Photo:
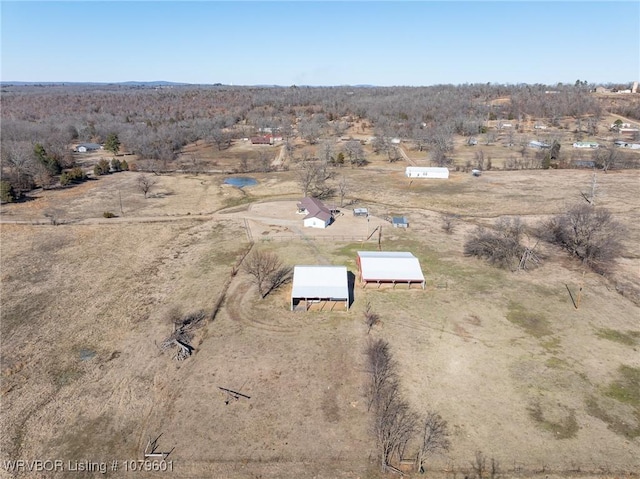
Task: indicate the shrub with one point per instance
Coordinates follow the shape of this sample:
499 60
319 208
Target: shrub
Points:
500 246
116 164
108 214
102 168
7 194
75 175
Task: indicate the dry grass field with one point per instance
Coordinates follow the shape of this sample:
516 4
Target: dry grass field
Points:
505 358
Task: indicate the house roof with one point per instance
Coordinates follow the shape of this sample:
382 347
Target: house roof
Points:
324 282
315 209
89 146
399 220
389 266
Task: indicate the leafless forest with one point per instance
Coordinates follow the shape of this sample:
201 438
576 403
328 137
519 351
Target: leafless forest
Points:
154 123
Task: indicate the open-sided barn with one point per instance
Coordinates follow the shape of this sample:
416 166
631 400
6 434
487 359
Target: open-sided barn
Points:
389 267
313 284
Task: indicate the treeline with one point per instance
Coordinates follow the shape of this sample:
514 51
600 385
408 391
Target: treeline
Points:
396 427
156 123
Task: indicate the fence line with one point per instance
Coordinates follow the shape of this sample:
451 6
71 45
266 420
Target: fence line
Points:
266 239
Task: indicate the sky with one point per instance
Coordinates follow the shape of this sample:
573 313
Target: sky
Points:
327 43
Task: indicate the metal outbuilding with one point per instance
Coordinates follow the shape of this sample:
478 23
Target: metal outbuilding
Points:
314 284
389 267
427 172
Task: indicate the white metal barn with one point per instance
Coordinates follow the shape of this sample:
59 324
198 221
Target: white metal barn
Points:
389 267
316 284
427 172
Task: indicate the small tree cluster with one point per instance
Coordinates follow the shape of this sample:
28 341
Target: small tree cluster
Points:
74 175
119 165
588 233
102 168
500 246
267 271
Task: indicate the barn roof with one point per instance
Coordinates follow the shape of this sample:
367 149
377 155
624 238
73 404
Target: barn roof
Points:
323 282
397 266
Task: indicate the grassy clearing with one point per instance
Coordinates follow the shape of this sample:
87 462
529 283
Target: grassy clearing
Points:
536 324
626 388
564 428
616 423
630 338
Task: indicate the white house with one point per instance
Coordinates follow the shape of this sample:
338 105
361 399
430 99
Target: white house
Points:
84 147
427 172
317 214
316 284
538 144
585 144
389 267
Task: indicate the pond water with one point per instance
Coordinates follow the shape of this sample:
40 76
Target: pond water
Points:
241 181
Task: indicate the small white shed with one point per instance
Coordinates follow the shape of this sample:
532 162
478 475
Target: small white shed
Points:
427 172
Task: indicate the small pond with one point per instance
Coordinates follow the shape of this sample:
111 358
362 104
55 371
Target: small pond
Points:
241 181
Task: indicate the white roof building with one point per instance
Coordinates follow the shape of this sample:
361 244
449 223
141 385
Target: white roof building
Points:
319 283
389 267
427 172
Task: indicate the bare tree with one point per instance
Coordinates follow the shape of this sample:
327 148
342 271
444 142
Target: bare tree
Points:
479 465
381 368
313 176
145 184
588 233
354 151
500 246
606 158
449 223
394 424
370 318
343 189
267 271
435 438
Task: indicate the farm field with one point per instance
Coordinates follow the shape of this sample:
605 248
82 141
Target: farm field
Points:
544 388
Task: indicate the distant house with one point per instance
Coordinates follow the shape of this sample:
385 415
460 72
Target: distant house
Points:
584 164
540 126
538 144
84 147
585 144
427 172
624 144
262 140
472 142
360 212
317 214
400 222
